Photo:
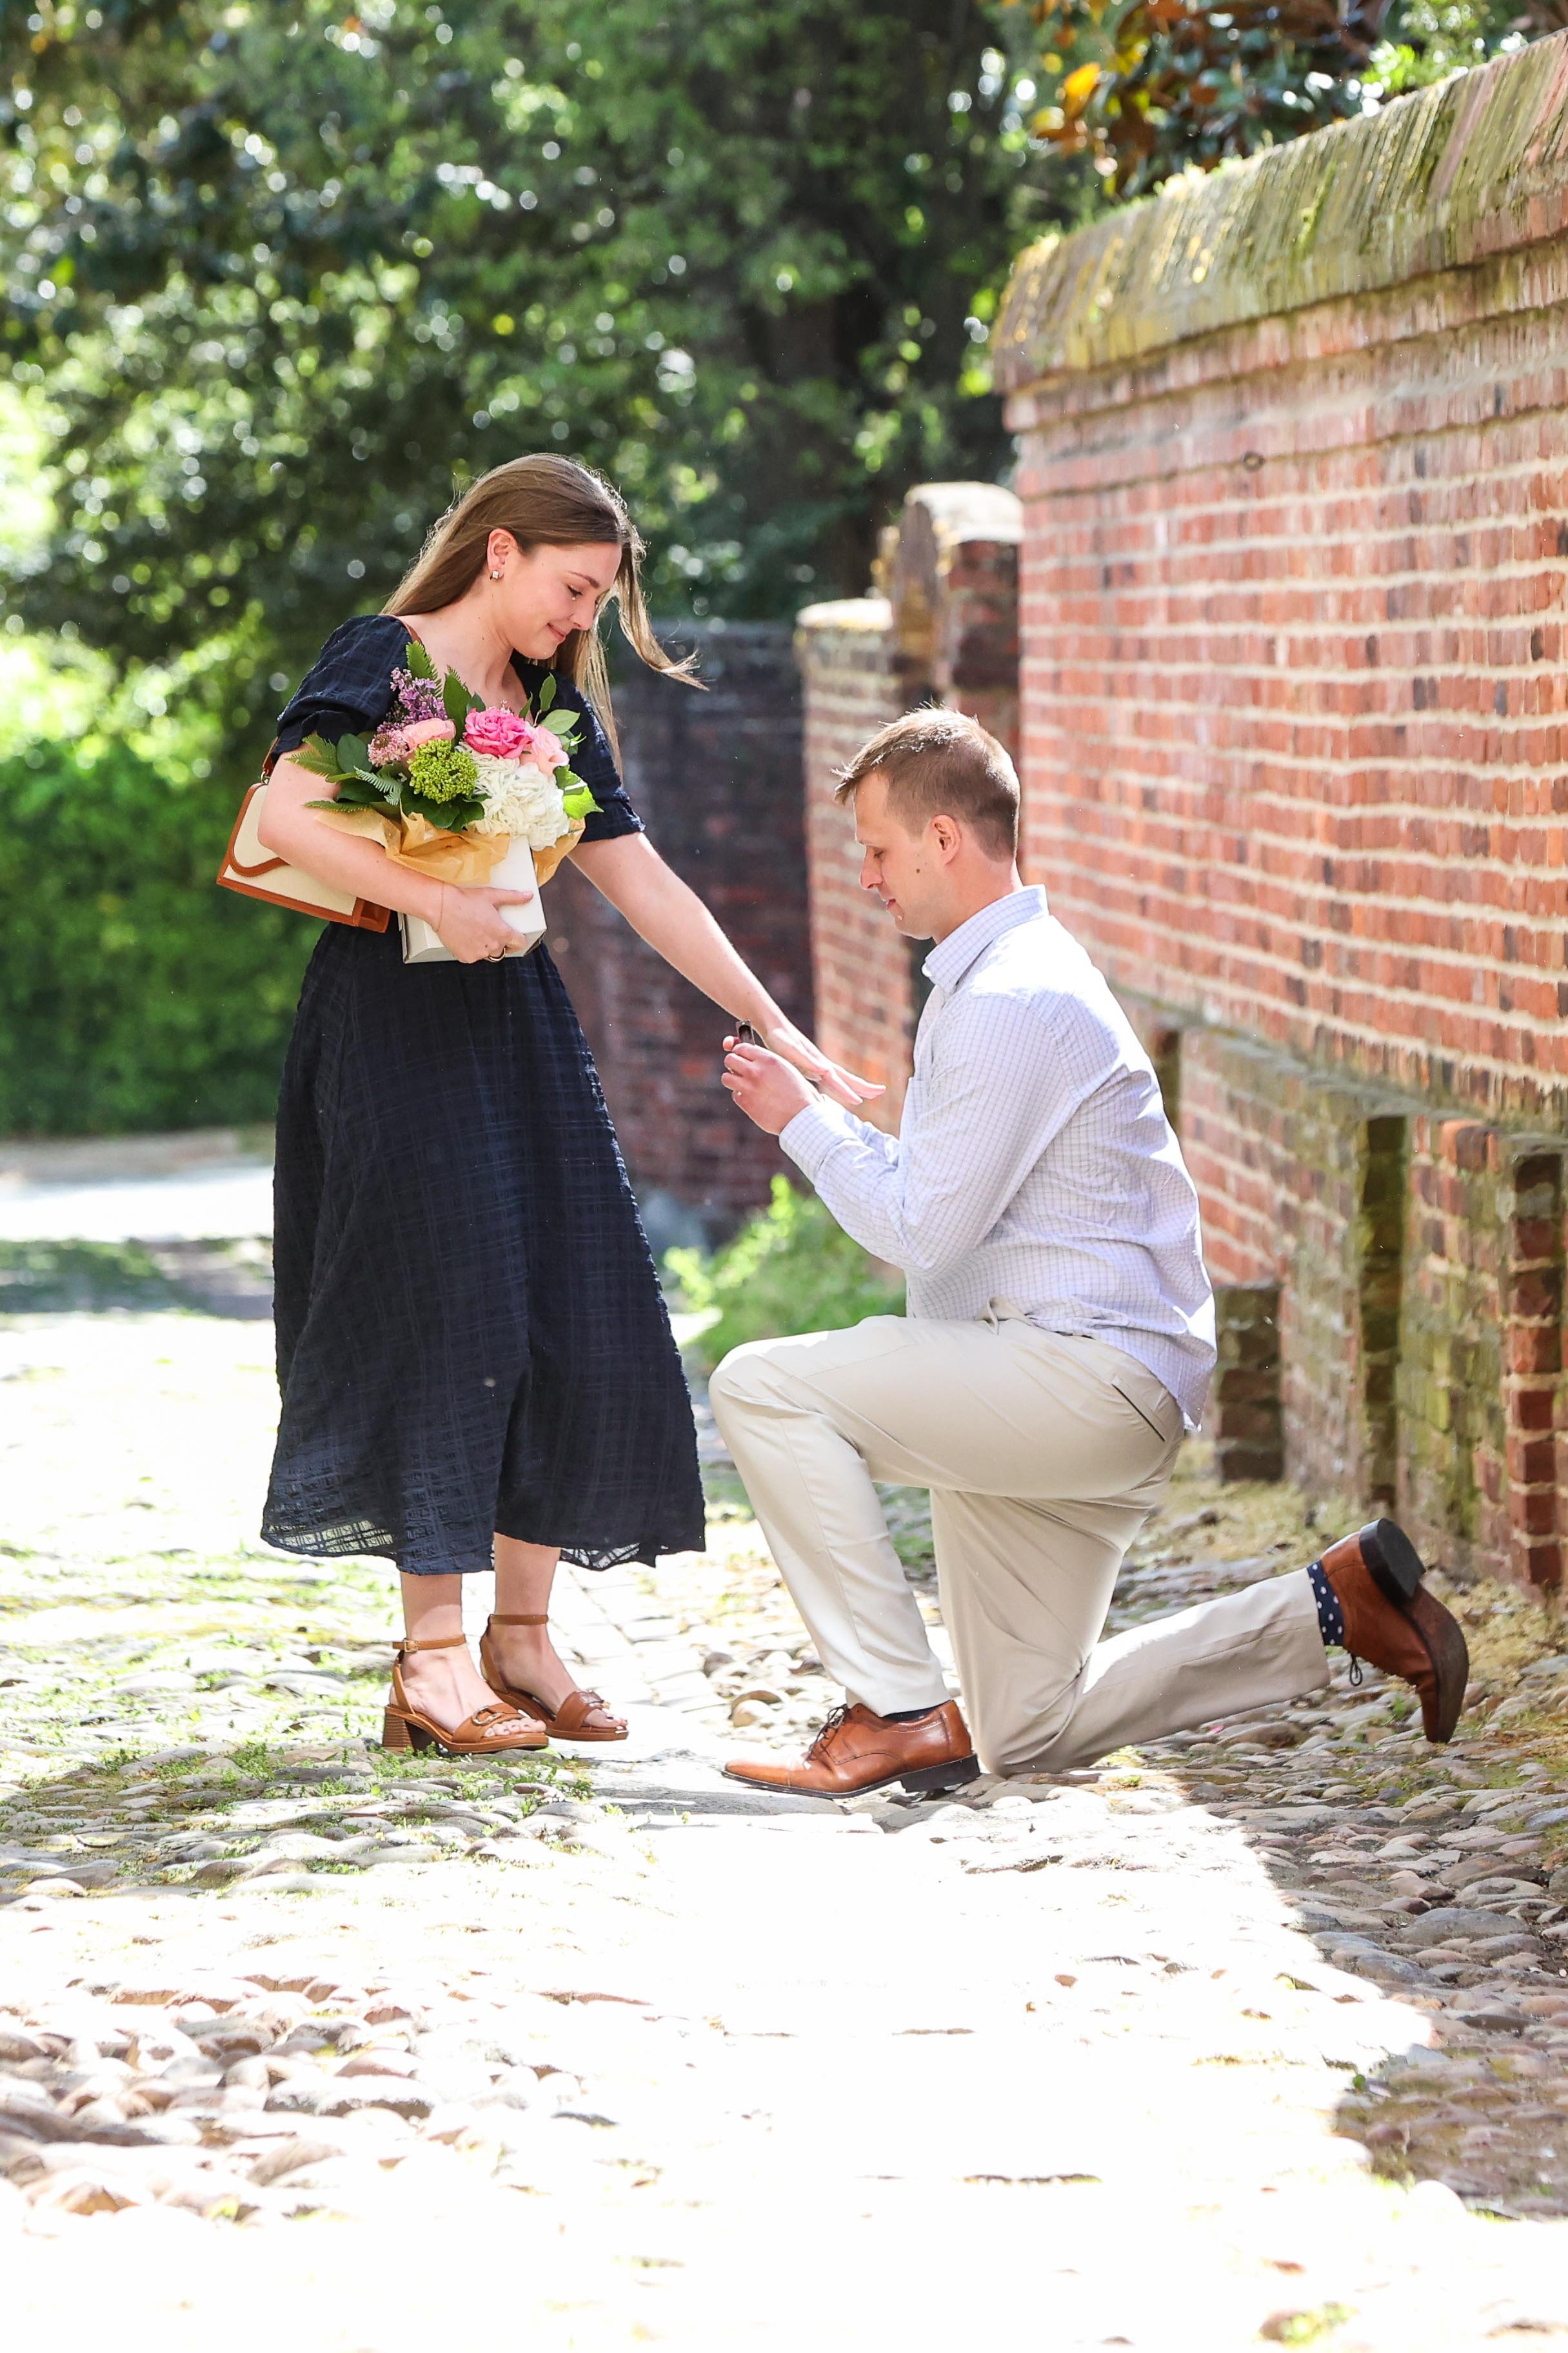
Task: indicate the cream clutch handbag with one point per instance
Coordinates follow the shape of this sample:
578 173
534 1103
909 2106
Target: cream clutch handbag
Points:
249 867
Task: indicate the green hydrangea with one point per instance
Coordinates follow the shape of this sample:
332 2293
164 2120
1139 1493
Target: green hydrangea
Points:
444 771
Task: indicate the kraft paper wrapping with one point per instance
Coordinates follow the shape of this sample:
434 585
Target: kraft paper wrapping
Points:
466 858
545 861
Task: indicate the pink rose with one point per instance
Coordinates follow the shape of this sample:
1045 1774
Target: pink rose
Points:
428 730
499 734
548 751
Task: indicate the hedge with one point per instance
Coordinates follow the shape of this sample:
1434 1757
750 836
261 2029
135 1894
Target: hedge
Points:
790 1269
133 993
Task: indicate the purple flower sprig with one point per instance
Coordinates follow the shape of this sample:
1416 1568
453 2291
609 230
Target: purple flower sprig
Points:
417 698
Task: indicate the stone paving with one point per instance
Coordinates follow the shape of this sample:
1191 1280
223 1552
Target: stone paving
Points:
1258 2037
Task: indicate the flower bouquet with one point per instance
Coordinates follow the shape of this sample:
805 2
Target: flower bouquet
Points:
459 789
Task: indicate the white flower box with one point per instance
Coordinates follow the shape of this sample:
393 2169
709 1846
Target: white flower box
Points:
422 943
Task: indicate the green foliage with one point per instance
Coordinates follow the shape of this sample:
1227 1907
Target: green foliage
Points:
288 275
1426 41
133 994
39 1278
790 1270
1145 89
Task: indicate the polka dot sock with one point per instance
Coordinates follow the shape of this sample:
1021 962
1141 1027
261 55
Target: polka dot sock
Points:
1330 1616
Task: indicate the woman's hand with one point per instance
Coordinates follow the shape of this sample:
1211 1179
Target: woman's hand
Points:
671 918
470 923
791 1045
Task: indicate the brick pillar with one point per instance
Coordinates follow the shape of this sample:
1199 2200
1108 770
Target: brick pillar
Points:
1379 1262
1533 1359
862 978
952 578
1244 1416
716 778
946 630
1481 1350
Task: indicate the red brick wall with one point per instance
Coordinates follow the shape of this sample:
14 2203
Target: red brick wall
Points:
861 969
1293 455
1294 745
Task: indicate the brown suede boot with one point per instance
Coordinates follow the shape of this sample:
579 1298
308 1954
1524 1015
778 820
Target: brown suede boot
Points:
856 1750
1394 1624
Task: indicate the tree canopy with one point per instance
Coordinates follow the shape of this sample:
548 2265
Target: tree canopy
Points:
1149 88
290 275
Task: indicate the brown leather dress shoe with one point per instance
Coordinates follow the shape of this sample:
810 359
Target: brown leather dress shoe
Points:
856 1751
1396 1625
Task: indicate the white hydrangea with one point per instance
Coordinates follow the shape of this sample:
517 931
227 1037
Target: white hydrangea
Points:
521 800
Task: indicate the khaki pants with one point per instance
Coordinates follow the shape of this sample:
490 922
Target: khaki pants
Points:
1044 1455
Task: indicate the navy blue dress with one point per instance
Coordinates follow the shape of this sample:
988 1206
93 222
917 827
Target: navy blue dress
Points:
470 1331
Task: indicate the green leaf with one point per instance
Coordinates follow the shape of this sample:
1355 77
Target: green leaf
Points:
317 755
364 792
580 802
447 817
546 696
418 664
459 702
353 754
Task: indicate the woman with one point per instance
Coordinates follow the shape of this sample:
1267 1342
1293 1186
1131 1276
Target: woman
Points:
474 1354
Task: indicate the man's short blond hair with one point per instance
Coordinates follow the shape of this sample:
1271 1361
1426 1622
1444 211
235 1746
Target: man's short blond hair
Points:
942 763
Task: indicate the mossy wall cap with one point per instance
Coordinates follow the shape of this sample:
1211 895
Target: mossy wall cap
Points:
1470 168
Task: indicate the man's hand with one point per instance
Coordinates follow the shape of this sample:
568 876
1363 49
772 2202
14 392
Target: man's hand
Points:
766 1089
838 1084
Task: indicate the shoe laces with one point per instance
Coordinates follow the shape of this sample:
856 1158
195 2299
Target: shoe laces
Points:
827 1731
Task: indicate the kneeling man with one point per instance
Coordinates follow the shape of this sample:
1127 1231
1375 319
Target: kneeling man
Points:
1058 1344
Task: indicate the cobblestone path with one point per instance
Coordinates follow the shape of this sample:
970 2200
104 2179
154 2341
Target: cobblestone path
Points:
1261 2037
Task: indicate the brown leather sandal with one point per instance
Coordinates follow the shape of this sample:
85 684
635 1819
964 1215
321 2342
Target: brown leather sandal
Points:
498 1731
573 1720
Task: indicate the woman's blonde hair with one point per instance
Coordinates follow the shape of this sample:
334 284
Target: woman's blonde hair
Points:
545 502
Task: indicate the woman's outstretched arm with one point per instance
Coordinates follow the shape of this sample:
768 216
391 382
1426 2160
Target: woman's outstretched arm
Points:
671 918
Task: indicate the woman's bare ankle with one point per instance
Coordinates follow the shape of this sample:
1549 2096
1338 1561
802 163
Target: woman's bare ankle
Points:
531 1662
446 1685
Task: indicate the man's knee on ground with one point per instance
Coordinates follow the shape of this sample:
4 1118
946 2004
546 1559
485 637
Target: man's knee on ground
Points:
743 1378
1015 1734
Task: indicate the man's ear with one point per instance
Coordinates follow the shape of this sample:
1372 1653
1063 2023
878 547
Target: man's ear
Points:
947 835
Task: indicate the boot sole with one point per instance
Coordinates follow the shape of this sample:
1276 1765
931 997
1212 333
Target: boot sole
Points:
1445 1645
925 1783
1397 1568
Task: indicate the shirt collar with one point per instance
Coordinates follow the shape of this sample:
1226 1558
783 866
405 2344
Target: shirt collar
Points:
946 965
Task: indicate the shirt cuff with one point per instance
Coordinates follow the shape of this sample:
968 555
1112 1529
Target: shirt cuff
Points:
814 1134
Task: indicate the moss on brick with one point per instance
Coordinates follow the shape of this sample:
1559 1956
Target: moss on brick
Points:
1475 166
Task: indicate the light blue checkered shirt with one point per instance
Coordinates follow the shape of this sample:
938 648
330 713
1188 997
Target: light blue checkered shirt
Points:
1033 1163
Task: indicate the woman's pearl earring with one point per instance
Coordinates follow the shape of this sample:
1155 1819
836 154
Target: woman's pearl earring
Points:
495 576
